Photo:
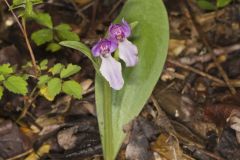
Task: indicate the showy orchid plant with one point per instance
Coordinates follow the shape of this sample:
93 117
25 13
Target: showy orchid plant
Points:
121 92
110 68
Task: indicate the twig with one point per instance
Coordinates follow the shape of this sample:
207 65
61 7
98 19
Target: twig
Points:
219 81
79 11
86 6
233 82
21 155
24 32
229 49
216 81
29 47
208 57
29 103
204 39
114 8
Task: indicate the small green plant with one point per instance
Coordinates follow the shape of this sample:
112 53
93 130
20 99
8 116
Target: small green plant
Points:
25 6
49 33
11 81
209 5
52 34
51 81
57 80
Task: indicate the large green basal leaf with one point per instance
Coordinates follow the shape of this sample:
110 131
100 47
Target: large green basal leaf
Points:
151 36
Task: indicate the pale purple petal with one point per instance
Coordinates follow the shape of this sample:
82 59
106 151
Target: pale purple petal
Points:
112 72
119 31
114 45
115 31
96 50
128 52
104 46
126 27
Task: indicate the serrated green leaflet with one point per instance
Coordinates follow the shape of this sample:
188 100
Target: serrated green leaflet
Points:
72 88
16 85
43 64
63 26
65 35
42 36
6 69
42 80
2 77
28 9
53 47
223 3
69 70
1 92
43 19
151 36
56 69
54 87
22 3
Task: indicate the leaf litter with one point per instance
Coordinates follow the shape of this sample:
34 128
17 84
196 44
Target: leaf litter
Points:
193 112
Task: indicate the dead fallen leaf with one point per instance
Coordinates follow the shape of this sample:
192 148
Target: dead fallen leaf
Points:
168 147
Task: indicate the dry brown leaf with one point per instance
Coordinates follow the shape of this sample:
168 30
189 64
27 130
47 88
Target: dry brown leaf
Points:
168 147
176 47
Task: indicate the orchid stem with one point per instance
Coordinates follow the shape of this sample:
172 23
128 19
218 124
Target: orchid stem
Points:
108 132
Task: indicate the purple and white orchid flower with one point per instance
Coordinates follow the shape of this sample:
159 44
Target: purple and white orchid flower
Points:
127 50
110 68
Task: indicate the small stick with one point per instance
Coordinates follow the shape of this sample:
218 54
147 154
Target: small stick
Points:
114 8
207 57
176 63
229 49
21 155
79 12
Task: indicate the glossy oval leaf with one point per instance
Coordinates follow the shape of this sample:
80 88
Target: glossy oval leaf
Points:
151 36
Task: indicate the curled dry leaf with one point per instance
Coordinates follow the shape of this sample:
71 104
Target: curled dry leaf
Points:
234 122
176 47
86 84
168 146
66 138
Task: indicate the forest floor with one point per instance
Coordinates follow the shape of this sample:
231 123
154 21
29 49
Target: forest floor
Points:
193 112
